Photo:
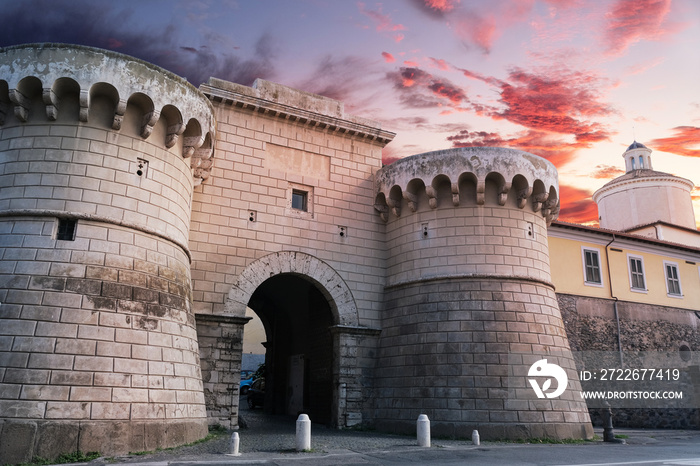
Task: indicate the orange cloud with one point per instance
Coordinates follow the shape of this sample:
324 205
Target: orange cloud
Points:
606 172
577 206
556 150
389 58
681 143
695 194
630 21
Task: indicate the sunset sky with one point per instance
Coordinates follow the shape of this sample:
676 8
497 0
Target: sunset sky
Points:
574 81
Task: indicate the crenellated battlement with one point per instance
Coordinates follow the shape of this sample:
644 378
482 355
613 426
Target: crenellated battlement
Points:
468 176
59 83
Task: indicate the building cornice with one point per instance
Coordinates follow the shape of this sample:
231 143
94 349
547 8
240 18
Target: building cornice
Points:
654 181
560 230
295 114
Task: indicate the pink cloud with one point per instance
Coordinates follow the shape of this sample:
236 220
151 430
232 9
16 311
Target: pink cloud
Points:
441 5
410 63
389 58
420 89
630 21
475 29
440 64
383 22
558 101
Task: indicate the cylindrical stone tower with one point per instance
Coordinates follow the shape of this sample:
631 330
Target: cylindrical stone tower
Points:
99 155
469 303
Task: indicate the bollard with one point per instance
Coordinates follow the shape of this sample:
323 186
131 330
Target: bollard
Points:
303 433
608 434
475 437
423 430
233 445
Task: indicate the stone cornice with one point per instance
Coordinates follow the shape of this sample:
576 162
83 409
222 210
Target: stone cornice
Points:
470 276
223 319
654 181
295 114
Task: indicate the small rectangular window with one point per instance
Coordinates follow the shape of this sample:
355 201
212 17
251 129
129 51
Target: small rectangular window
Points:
299 200
637 274
591 258
673 281
66 229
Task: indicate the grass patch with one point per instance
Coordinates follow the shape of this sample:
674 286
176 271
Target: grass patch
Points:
551 441
622 436
75 457
215 432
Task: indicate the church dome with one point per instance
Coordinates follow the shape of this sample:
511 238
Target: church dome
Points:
636 145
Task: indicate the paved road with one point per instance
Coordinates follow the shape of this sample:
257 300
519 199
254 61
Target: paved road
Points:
271 441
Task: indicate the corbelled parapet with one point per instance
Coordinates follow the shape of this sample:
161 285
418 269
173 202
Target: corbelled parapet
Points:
462 176
71 77
469 304
99 156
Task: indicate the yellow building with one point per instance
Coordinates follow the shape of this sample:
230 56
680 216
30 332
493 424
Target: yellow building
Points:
632 286
608 264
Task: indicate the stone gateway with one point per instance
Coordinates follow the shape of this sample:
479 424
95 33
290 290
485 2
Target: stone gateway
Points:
140 217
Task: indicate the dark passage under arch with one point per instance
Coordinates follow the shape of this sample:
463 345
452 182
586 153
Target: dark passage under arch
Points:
299 348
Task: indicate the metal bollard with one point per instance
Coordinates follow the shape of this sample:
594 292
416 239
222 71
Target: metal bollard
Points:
233 445
303 433
475 437
423 430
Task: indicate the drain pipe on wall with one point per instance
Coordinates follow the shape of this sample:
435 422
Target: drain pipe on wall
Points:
612 295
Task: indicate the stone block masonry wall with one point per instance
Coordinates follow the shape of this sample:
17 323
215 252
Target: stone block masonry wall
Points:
261 158
445 352
99 154
220 347
96 337
269 145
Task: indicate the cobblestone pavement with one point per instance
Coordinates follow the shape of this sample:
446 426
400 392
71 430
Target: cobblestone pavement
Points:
267 436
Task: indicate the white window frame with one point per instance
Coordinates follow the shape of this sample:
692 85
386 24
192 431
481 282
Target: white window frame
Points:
596 251
644 275
677 278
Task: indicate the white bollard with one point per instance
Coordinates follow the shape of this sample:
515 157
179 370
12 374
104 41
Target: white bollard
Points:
233 445
303 433
423 430
475 437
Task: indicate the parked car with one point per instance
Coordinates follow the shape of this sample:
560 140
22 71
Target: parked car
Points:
256 393
246 381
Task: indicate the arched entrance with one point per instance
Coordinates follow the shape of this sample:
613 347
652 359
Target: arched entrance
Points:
299 356
307 310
